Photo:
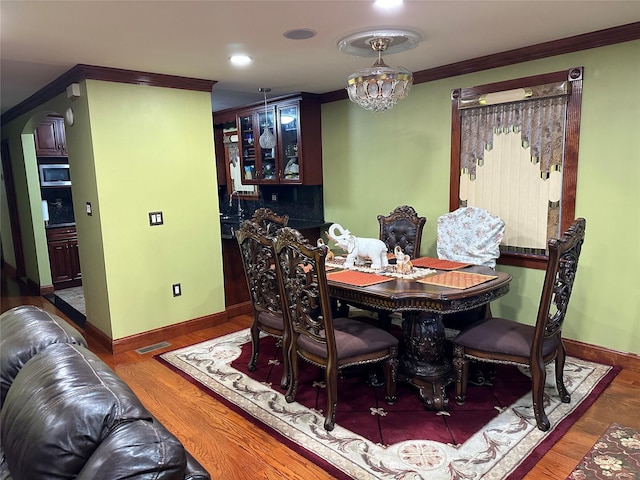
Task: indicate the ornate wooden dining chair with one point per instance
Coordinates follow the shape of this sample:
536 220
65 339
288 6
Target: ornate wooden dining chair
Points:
269 221
500 340
470 235
402 227
317 337
258 258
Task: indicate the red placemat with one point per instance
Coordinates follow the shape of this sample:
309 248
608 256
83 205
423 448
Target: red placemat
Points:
359 279
438 264
459 280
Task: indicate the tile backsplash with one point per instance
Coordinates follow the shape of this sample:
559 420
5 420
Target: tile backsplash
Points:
301 202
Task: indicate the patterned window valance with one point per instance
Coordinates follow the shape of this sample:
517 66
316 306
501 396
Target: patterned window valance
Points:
514 152
540 122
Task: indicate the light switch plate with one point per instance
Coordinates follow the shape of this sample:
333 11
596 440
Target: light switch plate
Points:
155 218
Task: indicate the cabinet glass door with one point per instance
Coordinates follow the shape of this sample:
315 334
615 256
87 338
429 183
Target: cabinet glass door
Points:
288 117
247 147
267 155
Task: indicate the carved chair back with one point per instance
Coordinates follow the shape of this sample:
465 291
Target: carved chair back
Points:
558 285
402 227
314 334
269 221
258 259
305 293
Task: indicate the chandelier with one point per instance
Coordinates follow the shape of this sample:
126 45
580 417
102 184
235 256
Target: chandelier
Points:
379 87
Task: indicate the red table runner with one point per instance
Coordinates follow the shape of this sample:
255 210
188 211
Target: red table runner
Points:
359 279
459 280
437 263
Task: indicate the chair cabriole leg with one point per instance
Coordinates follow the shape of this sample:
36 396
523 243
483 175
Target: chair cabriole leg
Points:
461 368
565 397
255 345
538 378
391 375
331 380
286 354
290 396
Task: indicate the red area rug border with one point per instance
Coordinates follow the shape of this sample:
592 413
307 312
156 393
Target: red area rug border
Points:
558 431
303 452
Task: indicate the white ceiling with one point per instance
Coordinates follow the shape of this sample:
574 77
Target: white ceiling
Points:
40 40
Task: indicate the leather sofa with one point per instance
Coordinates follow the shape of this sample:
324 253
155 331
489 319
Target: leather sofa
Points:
66 414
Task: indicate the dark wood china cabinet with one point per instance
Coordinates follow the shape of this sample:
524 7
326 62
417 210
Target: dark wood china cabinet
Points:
296 158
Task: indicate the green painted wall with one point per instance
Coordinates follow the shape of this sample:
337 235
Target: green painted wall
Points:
153 151
132 150
136 149
20 138
375 162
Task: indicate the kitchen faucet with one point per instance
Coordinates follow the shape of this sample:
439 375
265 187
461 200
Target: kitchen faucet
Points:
237 194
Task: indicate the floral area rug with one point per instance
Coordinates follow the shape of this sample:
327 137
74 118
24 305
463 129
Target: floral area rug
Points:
492 436
616 455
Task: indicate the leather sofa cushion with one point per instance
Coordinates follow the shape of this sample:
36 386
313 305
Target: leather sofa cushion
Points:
66 408
26 330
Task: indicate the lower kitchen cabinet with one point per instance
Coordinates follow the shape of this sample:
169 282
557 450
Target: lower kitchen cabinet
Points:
64 257
236 290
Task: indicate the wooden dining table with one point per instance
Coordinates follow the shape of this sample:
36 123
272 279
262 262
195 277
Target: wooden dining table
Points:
424 362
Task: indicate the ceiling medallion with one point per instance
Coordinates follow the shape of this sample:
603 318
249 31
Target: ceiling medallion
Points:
379 87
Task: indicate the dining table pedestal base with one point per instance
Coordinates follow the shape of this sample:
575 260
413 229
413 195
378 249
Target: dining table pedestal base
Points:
424 363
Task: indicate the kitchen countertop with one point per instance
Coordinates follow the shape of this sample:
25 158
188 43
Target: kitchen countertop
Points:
60 225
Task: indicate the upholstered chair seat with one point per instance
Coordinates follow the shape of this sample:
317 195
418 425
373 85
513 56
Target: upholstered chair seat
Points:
504 336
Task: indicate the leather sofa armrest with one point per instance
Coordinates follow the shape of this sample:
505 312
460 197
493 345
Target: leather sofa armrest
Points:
194 470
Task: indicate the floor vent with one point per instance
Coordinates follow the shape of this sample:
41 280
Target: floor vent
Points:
153 347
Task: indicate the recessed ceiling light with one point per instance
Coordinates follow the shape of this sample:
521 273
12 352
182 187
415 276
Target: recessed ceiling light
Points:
240 60
387 3
300 34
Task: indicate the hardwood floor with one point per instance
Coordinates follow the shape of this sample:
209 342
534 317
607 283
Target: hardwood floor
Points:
230 447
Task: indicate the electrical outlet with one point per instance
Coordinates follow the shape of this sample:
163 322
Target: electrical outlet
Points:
89 212
274 197
177 289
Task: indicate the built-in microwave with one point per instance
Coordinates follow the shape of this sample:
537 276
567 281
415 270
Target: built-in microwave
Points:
55 175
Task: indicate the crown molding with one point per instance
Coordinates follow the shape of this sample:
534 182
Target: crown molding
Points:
91 72
600 38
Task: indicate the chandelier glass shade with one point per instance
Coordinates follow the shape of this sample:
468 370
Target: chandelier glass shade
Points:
379 87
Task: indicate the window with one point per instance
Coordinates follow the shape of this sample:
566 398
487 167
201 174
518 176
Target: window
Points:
514 152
